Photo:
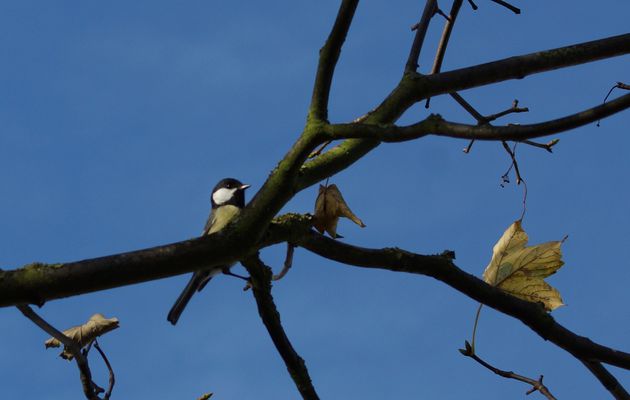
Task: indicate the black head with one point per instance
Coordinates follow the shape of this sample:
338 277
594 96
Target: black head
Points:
228 191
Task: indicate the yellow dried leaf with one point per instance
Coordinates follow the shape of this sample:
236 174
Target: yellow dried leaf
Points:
329 206
84 334
520 270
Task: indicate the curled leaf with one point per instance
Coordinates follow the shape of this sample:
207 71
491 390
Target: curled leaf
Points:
329 206
520 270
84 334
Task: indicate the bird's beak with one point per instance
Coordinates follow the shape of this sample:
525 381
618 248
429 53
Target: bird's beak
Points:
243 187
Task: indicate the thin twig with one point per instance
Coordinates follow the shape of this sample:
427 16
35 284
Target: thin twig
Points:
261 287
547 146
468 107
439 11
469 147
319 150
510 7
618 85
446 35
288 262
513 109
473 5
112 378
512 153
537 384
89 388
421 30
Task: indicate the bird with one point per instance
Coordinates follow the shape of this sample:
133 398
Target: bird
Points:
227 200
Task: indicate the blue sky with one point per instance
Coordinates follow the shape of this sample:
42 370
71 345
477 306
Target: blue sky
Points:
118 118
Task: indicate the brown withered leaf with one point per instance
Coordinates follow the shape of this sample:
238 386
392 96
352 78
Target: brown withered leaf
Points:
84 334
329 207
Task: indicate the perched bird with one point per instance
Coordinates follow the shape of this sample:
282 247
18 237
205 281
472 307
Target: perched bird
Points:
228 198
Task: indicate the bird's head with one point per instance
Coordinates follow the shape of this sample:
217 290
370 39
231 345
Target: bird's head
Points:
229 191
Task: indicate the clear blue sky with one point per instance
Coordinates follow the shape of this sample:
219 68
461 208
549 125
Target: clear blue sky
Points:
117 118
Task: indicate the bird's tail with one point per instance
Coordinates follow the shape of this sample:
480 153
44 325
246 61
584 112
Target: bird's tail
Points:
196 283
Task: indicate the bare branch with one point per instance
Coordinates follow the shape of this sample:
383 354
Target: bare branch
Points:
547 146
537 384
607 380
469 108
261 287
430 7
442 268
328 57
37 283
507 5
512 110
89 388
112 378
435 125
446 36
413 88
288 262
519 67
512 153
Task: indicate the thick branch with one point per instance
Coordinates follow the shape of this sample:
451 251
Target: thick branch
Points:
442 269
328 57
435 125
607 380
261 286
38 283
519 67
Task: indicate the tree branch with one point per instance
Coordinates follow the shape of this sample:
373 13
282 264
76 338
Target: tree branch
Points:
37 283
607 380
519 67
430 7
537 385
328 57
89 389
414 87
441 268
444 39
261 286
435 125
112 377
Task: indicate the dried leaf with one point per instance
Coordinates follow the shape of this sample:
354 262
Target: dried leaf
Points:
84 334
520 270
329 206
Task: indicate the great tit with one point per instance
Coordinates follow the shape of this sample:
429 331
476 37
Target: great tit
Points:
228 198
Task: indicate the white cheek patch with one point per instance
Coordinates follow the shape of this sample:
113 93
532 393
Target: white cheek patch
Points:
223 195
